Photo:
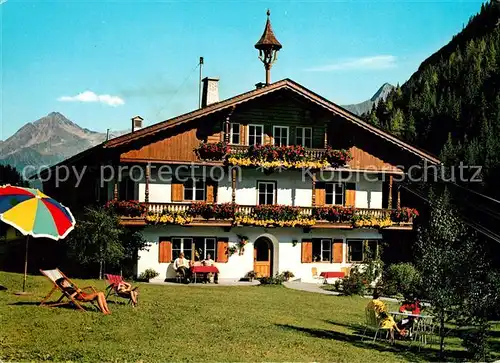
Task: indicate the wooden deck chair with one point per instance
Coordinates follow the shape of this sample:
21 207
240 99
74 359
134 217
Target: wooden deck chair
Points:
53 276
112 288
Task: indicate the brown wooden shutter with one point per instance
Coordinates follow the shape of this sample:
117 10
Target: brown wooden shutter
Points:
177 191
243 134
165 250
338 250
307 248
350 194
211 191
222 250
320 194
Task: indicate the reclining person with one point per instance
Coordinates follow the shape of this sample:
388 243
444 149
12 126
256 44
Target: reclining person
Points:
78 294
124 289
181 266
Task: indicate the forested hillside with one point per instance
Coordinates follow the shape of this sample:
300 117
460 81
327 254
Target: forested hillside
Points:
451 105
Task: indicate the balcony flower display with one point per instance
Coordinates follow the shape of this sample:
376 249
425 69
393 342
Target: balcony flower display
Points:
403 215
210 210
126 208
243 240
168 217
337 158
335 214
371 222
276 157
275 216
212 151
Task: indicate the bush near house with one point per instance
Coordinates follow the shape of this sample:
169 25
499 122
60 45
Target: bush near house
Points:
401 279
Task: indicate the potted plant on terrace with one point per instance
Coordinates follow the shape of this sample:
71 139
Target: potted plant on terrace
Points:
251 275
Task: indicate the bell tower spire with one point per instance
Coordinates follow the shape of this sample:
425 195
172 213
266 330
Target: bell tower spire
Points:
268 47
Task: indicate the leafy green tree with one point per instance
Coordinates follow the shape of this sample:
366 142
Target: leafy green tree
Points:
100 239
456 276
9 175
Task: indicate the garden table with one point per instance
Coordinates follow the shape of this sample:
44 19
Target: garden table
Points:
423 326
332 274
203 270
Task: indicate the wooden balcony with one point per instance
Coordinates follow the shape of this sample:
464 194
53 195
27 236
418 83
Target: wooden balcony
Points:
315 154
248 210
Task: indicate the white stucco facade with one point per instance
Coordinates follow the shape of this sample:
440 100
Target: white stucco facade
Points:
286 249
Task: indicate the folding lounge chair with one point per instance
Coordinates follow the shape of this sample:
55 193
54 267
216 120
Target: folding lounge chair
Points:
112 289
53 276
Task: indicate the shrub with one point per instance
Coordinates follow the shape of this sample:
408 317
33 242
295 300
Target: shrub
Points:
276 280
401 278
148 274
353 284
287 275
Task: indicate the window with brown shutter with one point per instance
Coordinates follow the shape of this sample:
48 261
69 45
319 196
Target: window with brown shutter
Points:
338 251
222 250
306 251
350 194
165 250
320 194
177 191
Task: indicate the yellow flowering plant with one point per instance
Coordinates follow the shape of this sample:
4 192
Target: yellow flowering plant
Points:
167 217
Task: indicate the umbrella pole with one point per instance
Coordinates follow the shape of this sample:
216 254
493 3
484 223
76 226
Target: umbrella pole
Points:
26 264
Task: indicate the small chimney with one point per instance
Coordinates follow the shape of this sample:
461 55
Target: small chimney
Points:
137 123
210 93
260 85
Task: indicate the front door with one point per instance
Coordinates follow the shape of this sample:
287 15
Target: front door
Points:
262 257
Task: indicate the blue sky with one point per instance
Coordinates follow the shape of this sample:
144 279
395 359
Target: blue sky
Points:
139 57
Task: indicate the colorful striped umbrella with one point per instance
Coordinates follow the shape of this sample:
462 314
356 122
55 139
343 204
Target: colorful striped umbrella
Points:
34 214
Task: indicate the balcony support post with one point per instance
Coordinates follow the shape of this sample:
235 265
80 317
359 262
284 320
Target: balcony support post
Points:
227 124
313 197
389 198
148 175
398 202
115 187
233 185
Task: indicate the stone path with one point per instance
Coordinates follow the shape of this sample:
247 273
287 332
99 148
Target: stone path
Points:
222 282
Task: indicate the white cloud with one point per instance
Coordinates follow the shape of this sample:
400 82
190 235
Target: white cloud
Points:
375 62
3 2
89 96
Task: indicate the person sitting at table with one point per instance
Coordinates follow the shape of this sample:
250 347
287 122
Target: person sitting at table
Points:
414 307
386 321
181 266
209 262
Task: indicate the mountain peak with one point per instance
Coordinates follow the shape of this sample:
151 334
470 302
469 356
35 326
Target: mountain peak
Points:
382 92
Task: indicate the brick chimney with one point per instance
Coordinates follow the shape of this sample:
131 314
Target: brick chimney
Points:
210 93
137 123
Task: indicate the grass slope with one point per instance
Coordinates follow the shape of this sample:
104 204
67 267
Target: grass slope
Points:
193 323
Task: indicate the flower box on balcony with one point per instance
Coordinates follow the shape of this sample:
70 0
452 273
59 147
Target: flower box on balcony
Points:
212 151
126 208
337 158
334 214
404 215
212 211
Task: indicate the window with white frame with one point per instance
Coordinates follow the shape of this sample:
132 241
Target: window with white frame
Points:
322 250
280 135
235 133
360 250
204 247
266 192
334 193
184 245
304 136
255 134
194 189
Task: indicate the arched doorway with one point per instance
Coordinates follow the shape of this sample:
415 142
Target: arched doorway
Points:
263 257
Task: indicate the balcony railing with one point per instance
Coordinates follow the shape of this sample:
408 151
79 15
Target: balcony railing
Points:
311 153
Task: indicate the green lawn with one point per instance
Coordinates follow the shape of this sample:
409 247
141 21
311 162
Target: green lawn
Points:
196 323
